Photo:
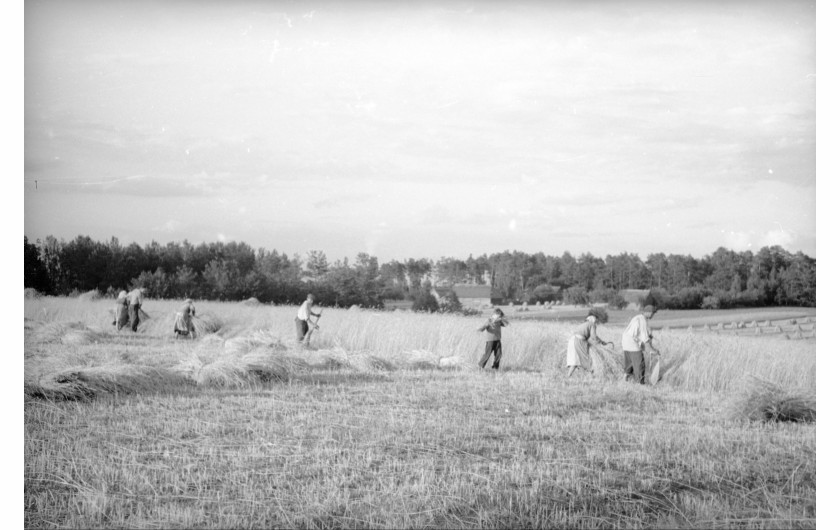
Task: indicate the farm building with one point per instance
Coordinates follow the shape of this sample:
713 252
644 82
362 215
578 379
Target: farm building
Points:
471 295
634 297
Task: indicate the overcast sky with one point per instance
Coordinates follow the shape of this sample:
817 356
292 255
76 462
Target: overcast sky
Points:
424 129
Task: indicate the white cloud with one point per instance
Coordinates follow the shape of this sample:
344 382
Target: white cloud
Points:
779 237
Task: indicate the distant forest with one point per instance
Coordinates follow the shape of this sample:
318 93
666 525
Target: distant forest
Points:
236 271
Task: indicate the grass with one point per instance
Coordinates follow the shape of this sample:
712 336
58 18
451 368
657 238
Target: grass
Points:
387 422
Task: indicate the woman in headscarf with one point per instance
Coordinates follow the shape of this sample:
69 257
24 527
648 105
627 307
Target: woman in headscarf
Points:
183 319
577 353
121 310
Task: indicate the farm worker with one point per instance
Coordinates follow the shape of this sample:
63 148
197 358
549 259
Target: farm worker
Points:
304 314
135 301
493 336
633 340
183 319
577 351
121 311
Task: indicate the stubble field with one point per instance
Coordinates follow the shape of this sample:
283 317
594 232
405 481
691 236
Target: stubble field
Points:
387 422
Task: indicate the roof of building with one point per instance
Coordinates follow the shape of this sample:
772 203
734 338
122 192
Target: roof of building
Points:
633 295
475 291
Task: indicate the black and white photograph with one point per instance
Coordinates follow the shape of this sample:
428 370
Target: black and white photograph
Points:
419 264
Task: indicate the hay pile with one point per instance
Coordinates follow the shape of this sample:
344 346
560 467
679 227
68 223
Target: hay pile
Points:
358 361
31 294
251 302
419 360
90 295
86 383
238 368
258 339
70 333
207 324
455 361
763 400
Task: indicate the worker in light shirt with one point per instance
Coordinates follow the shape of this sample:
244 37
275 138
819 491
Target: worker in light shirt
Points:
636 335
303 318
135 302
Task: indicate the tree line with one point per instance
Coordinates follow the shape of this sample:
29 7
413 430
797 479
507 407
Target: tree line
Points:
236 271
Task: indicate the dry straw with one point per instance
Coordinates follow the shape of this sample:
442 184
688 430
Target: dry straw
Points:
258 339
71 333
90 295
606 364
243 365
764 400
85 383
207 324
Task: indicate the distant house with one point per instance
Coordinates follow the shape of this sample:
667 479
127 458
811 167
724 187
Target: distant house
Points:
471 295
634 297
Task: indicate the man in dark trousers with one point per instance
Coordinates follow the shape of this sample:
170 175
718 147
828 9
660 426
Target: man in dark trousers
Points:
636 336
135 302
302 319
493 335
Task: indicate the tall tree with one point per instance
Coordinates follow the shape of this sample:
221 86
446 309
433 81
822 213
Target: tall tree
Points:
317 265
34 271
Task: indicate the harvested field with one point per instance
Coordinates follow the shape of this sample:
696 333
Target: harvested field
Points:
388 421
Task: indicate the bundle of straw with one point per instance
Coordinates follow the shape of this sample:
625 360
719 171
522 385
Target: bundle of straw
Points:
66 333
31 294
85 383
456 361
606 364
223 372
206 324
419 360
266 365
763 400
258 339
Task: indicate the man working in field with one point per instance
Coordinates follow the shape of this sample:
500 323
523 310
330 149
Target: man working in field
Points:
633 340
493 338
302 320
135 301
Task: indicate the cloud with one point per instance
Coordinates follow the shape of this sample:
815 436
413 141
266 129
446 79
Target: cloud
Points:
781 237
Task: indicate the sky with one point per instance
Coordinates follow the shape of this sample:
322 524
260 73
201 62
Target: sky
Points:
423 129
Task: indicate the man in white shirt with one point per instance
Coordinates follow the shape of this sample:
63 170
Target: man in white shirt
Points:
633 340
302 319
135 301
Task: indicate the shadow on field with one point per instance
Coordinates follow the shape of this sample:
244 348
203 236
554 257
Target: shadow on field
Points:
337 378
520 370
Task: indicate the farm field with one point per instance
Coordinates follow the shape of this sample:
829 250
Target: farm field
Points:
387 422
